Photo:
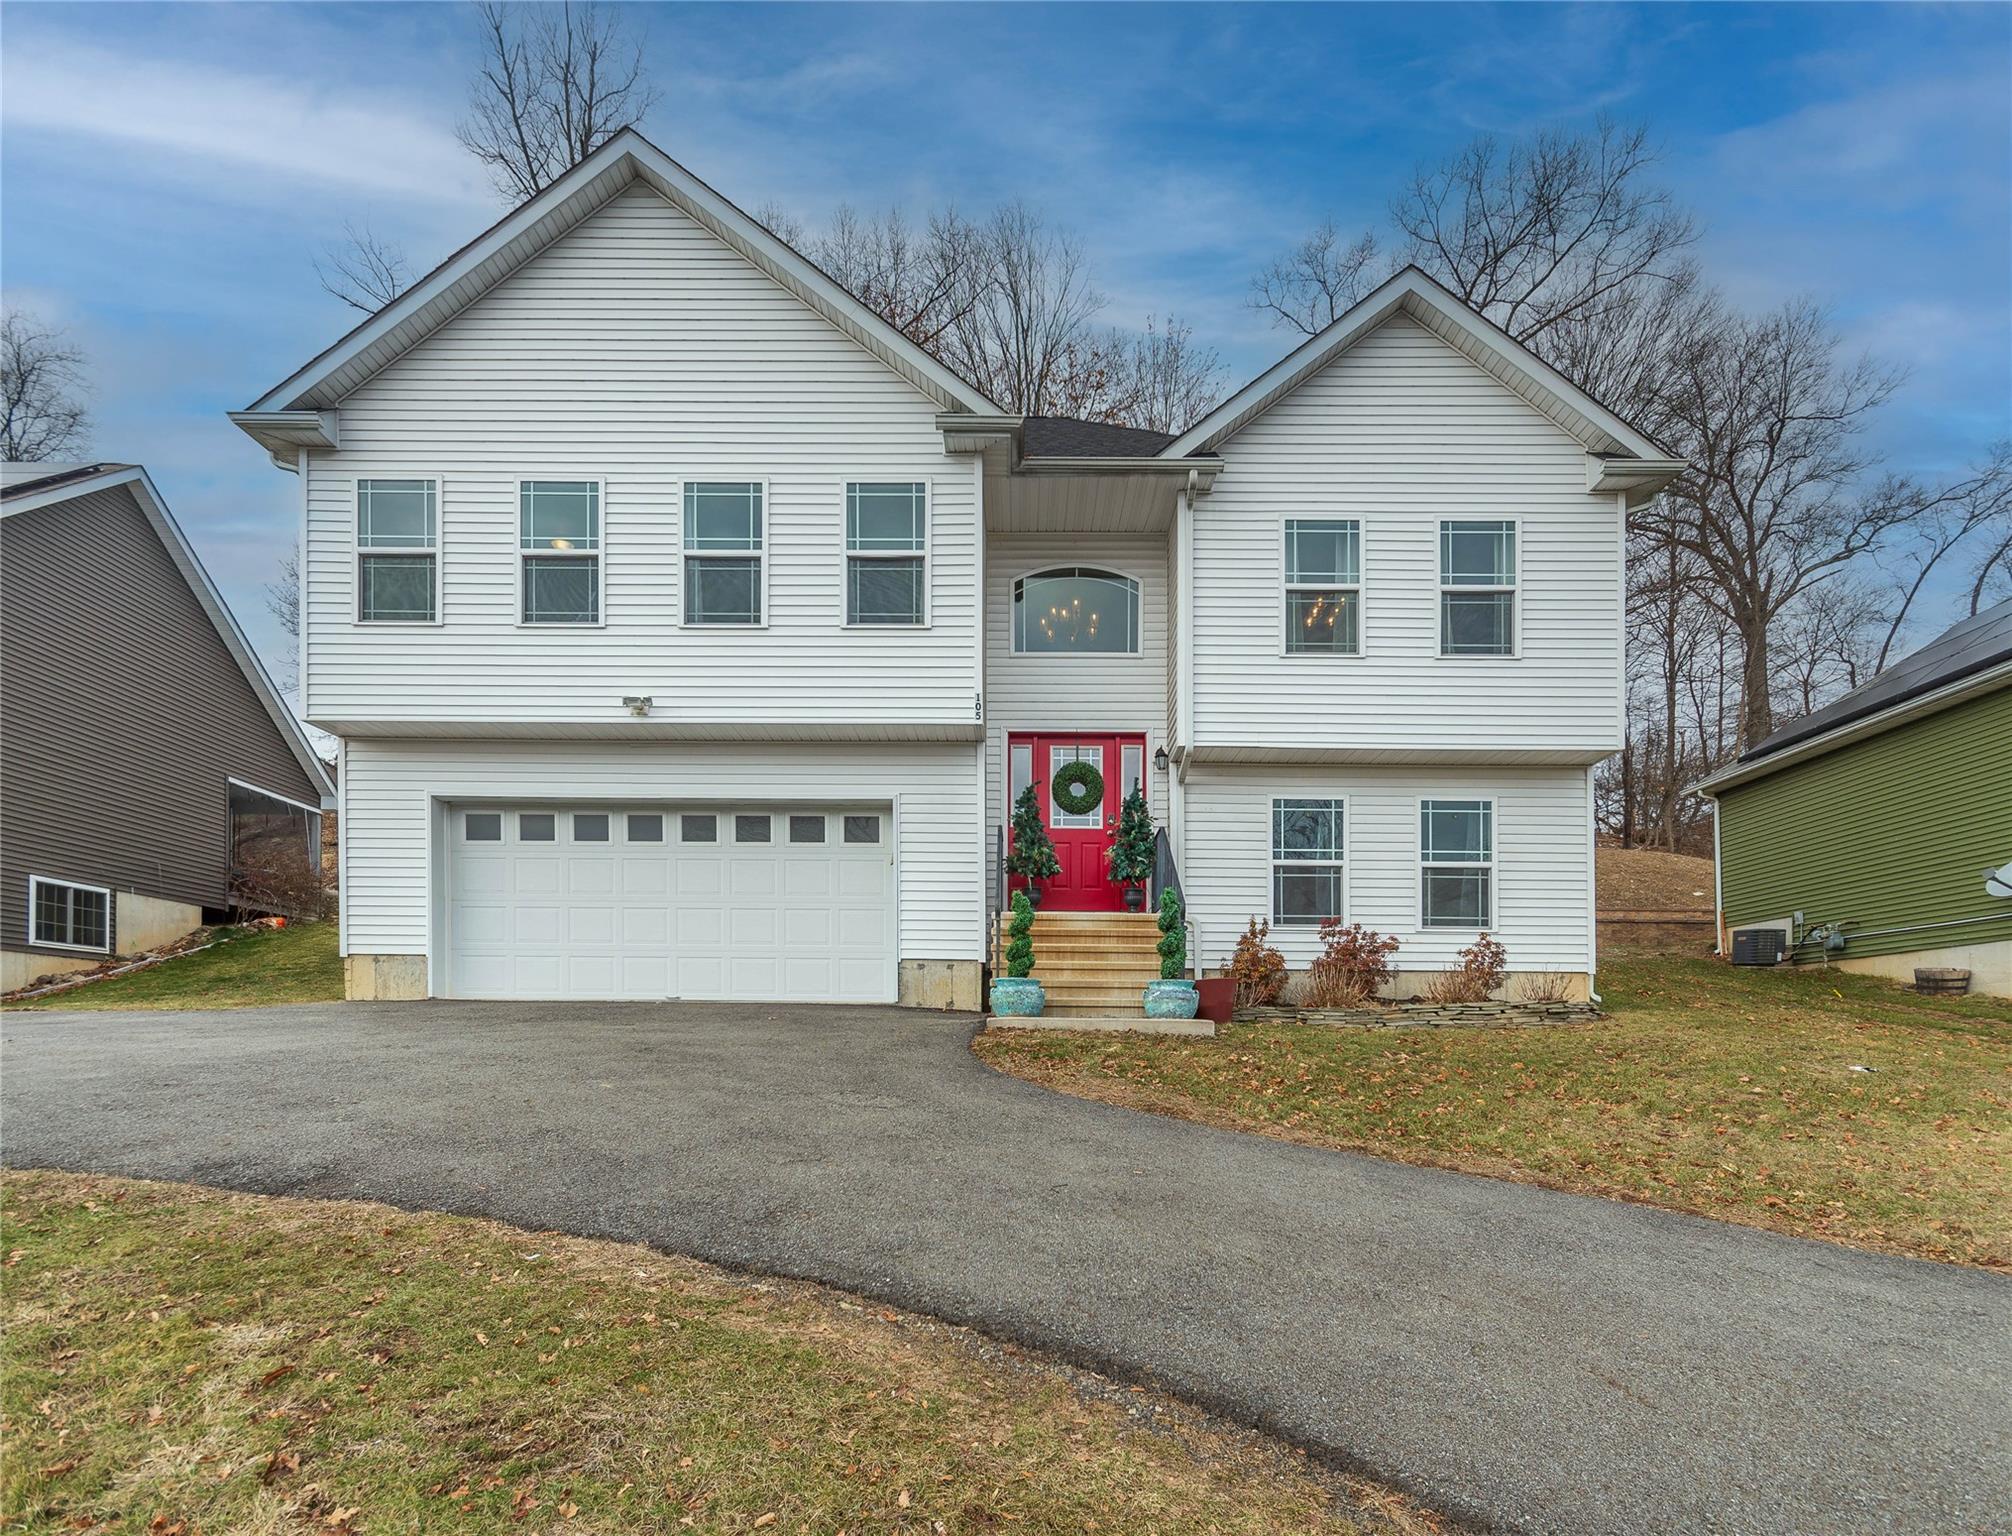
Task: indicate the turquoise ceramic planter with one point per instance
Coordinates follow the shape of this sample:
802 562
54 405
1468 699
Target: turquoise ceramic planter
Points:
1018 997
1172 1000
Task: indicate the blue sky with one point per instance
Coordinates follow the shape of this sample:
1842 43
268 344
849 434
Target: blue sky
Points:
167 172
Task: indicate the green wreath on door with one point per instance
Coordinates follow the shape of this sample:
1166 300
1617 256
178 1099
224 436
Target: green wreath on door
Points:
1078 789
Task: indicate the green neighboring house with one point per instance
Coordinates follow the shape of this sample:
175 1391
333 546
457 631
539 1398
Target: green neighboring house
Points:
1877 831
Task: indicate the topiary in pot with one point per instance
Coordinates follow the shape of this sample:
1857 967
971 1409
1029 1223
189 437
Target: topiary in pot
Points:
1030 854
1173 996
1017 994
1132 850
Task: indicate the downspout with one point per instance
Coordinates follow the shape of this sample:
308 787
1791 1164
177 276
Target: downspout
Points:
980 619
1592 889
1718 884
300 587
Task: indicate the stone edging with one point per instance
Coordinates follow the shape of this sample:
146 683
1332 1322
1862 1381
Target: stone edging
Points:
1490 1015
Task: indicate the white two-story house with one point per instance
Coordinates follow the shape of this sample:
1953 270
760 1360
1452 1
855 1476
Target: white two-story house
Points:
688 631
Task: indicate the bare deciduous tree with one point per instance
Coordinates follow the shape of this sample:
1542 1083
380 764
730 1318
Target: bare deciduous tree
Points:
1769 416
363 270
1977 506
923 281
282 601
42 388
1025 341
1320 279
556 83
1171 382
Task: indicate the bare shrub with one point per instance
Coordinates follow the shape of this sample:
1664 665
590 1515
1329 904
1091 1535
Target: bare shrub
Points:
1482 966
1354 965
1544 987
278 878
1257 969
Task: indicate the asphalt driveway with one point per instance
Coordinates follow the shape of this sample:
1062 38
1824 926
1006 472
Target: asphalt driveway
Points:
1521 1359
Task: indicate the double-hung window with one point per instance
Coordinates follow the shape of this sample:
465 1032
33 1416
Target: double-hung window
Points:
1306 861
723 552
1323 586
397 551
559 543
886 544
1456 840
1477 588
66 916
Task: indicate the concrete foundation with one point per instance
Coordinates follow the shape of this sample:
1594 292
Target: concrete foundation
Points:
147 922
953 984
1989 965
18 967
1516 987
383 978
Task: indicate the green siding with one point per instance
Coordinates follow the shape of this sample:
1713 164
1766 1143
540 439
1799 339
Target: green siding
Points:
1893 830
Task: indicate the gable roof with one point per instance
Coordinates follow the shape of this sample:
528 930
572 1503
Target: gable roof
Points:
1068 437
1414 293
276 417
25 492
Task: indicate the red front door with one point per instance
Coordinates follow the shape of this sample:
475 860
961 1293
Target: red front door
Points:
1083 840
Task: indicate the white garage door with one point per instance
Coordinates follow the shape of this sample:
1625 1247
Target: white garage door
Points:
785 903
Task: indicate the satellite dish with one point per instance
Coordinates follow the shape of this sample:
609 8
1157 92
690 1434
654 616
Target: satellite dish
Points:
1998 882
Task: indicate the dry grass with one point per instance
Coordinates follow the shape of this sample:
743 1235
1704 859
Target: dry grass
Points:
1727 1093
183 1360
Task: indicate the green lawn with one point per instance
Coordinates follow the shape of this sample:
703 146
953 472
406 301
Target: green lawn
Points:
182 1360
1725 1092
254 967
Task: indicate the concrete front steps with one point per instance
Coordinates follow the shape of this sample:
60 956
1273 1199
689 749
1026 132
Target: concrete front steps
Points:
1093 964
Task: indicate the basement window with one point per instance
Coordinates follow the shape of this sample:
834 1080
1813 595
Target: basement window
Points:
68 916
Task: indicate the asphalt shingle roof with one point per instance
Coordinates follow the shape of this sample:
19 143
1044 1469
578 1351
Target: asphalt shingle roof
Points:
18 479
1064 437
1982 641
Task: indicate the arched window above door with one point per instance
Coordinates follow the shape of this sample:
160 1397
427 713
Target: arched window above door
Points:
1076 609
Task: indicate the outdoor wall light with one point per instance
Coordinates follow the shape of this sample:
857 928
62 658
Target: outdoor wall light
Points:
1160 759
637 703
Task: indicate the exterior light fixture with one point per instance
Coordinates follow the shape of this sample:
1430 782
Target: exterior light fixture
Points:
1160 759
637 704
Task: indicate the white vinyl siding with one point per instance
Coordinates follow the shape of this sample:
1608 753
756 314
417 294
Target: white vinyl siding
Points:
1541 848
1402 433
390 785
1109 692
640 348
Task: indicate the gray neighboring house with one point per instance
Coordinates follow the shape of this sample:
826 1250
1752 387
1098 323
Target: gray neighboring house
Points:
140 740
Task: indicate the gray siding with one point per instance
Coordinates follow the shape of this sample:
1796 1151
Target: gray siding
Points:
122 714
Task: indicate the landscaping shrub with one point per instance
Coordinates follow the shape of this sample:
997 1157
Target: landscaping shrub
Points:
1032 855
1353 967
1482 966
1544 987
1257 969
279 879
1020 949
1132 850
1173 945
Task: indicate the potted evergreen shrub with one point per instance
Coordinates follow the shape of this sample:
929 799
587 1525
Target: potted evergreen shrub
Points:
1173 996
1030 855
1017 994
1132 850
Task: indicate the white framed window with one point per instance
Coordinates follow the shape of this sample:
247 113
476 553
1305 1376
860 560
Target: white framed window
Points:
65 915
1477 587
1307 861
1075 610
559 551
398 551
726 574
1456 856
887 552
1323 586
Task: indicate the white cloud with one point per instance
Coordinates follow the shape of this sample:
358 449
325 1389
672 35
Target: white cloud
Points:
206 119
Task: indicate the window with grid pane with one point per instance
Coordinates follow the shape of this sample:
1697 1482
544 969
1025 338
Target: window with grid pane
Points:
65 916
1306 854
723 544
1323 586
886 539
559 543
397 551
1477 588
1456 840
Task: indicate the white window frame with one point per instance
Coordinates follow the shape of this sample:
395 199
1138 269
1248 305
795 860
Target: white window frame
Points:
1492 863
599 553
847 554
1274 863
36 881
1013 648
729 477
1287 586
1514 589
359 552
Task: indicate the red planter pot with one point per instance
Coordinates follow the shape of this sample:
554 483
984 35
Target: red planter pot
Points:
1219 998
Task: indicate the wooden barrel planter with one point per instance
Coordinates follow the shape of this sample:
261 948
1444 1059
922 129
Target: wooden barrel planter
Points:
1941 978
